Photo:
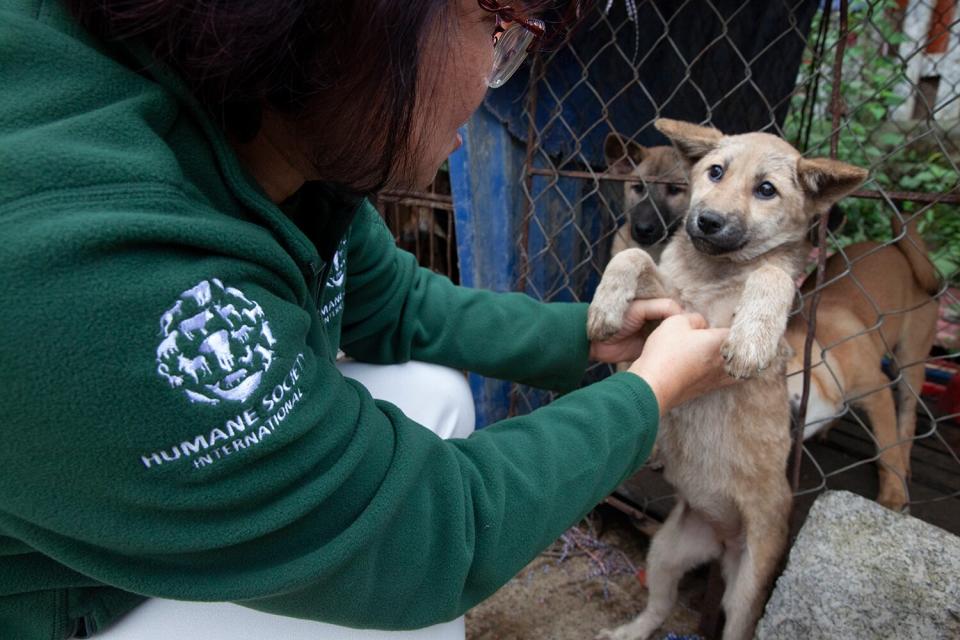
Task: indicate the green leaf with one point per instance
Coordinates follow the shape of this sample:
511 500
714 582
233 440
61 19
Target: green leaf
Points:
877 110
910 183
890 139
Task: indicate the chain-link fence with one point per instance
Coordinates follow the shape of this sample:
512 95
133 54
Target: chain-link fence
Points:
874 83
422 222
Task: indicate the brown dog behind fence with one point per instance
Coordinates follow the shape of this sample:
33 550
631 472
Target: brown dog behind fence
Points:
423 224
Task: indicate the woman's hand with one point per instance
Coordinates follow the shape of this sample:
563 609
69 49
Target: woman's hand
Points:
627 344
681 360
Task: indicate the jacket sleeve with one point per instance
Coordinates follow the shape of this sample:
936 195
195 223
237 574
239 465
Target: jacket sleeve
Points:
195 468
397 311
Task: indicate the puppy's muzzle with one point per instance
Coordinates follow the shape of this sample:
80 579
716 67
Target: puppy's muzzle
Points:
715 233
651 226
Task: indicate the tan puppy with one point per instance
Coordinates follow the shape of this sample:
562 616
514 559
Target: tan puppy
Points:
744 242
877 303
654 207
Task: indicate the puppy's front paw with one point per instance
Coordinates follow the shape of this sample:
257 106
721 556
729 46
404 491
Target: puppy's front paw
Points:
605 315
605 320
631 274
747 358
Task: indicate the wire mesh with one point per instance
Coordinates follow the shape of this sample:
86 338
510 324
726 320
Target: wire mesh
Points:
422 222
875 83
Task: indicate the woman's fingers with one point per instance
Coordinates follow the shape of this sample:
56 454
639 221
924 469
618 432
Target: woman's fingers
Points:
641 311
696 321
681 359
654 309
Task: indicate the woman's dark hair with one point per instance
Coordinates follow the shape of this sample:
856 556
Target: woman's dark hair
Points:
322 62
346 69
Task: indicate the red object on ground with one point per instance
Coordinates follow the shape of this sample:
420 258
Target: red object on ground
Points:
949 403
932 390
641 576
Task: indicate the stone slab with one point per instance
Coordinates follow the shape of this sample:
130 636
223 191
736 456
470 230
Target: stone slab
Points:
858 570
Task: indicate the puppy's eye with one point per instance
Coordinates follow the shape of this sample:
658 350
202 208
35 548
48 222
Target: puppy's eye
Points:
715 172
639 188
673 189
765 191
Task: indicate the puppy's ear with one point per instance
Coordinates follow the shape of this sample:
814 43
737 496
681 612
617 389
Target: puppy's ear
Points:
691 140
622 157
826 181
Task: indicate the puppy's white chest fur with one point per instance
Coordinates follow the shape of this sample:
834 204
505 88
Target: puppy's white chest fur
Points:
701 290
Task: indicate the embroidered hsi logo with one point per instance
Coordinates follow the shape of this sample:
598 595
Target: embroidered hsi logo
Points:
333 290
216 344
338 269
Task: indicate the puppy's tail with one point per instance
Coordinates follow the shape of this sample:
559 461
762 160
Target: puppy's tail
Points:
911 244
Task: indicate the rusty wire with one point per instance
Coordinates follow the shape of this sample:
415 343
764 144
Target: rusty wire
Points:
821 259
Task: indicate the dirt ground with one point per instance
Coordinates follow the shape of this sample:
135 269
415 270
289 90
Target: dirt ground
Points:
584 583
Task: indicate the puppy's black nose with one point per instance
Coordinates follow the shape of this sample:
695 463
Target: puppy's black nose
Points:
710 223
714 233
645 229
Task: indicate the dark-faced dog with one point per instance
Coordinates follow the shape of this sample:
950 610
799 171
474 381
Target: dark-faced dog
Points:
655 205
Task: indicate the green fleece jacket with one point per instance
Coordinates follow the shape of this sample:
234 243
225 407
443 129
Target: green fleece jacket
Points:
171 418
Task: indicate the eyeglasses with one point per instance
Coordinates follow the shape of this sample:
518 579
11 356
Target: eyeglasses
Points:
515 37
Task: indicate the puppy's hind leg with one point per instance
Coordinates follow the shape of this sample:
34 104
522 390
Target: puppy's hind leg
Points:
750 566
631 275
685 541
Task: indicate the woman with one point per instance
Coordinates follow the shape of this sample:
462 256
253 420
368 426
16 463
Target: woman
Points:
187 246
